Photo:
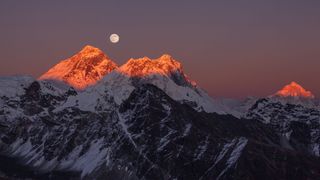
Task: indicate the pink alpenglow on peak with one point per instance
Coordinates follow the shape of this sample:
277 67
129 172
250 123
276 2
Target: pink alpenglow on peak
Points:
164 66
83 69
294 90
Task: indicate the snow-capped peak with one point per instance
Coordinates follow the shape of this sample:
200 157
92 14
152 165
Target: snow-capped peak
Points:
164 66
294 90
83 69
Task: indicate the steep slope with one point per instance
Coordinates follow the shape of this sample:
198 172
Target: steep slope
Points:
83 69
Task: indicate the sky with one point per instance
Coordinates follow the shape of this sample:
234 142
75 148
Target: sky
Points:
231 48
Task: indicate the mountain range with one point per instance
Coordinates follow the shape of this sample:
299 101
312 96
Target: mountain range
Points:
88 118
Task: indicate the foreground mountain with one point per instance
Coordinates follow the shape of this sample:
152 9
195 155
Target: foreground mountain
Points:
148 136
83 69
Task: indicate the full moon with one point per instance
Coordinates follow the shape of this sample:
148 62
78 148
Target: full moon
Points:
114 38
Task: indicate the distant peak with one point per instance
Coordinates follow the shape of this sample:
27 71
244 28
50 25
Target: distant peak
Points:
294 90
83 69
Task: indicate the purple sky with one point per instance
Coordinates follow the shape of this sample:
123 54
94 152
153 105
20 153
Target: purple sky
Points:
231 48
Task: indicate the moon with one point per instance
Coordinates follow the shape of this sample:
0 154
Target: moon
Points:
114 38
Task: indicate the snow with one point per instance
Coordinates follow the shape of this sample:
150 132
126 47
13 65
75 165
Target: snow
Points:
165 141
187 129
288 134
54 88
184 93
315 143
235 146
167 108
124 126
235 154
316 149
93 158
116 85
86 163
125 129
242 142
26 150
84 101
120 86
13 86
306 102
236 107
202 149
71 159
